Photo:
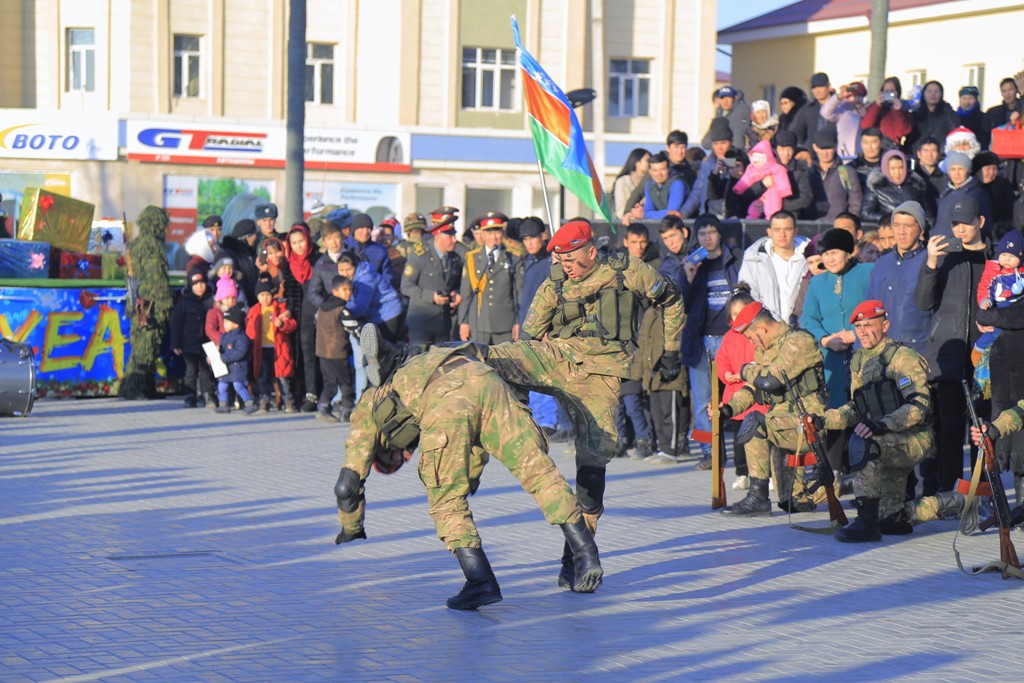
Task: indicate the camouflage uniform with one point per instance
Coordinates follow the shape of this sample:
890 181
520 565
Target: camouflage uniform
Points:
797 353
459 404
909 438
581 368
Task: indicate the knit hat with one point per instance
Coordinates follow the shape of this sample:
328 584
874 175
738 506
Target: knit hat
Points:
1012 243
264 285
235 315
785 138
720 130
971 90
793 94
195 275
958 159
221 262
912 208
760 105
361 220
225 288
244 228
836 238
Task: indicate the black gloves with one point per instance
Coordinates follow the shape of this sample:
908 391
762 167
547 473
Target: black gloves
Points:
818 421
990 430
725 412
345 538
670 365
877 427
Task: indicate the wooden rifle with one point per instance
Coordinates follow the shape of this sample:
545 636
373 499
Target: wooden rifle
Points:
717 461
826 476
1001 506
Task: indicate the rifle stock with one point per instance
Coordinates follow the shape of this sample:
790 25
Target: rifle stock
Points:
827 476
1001 506
717 464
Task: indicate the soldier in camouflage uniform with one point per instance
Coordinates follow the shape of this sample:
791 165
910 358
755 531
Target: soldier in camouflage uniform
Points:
576 343
412 233
447 402
890 413
778 348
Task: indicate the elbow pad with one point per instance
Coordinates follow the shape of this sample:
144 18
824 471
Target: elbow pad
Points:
348 490
769 384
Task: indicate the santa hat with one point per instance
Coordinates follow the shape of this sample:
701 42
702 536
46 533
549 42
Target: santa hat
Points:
960 135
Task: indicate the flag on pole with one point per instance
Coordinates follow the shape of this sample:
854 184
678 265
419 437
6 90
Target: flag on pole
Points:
557 135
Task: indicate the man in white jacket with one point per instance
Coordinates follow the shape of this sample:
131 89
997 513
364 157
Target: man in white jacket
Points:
773 266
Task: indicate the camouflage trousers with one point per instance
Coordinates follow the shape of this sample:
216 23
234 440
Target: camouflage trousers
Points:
470 412
886 477
591 400
765 455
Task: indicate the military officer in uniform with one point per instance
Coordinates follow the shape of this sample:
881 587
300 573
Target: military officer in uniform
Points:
890 413
491 280
576 343
266 221
448 403
431 281
778 348
412 233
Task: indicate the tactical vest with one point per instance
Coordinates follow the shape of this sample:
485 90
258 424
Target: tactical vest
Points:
881 397
810 381
616 308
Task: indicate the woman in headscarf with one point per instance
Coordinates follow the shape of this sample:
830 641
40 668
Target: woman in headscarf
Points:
893 184
297 270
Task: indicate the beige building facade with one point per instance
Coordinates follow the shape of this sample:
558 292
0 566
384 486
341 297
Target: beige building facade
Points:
410 103
956 42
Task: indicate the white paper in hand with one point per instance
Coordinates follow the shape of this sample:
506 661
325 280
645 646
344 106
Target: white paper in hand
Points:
216 364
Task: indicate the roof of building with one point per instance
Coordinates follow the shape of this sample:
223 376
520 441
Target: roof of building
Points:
819 10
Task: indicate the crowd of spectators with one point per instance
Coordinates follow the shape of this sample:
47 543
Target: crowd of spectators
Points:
921 170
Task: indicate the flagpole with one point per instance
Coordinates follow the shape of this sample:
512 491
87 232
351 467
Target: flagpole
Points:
547 202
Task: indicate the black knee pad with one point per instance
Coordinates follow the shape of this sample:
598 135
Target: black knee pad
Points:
590 489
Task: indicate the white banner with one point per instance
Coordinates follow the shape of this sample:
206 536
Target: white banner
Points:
175 142
35 134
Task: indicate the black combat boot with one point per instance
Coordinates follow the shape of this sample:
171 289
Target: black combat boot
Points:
381 356
756 504
896 524
865 528
587 572
567 575
481 587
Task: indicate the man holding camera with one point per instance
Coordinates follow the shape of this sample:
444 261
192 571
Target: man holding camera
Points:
946 286
431 281
718 173
845 109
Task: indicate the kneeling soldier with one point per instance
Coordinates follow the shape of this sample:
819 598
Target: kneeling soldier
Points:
778 348
449 404
890 414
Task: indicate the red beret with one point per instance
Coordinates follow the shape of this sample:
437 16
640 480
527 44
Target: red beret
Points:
872 308
571 237
746 316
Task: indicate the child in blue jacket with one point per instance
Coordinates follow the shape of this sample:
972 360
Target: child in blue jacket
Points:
234 351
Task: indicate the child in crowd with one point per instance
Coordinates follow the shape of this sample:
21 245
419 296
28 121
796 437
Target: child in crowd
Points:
225 298
334 351
224 270
234 351
269 262
270 325
1001 284
187 337
735 352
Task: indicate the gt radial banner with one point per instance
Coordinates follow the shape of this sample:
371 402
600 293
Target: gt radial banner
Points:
34 134
177 142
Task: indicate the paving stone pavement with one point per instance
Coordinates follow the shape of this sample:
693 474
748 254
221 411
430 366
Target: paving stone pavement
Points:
144 542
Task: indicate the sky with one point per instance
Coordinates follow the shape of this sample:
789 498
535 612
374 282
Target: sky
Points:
732 12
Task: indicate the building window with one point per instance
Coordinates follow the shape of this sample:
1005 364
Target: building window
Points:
81 60
919 77
629 86
488 78
768 95
188 60
974 74
320 73
479 199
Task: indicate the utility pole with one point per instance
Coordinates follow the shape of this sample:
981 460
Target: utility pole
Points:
296 116
879 39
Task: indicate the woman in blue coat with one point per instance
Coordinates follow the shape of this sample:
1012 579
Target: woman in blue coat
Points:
831 298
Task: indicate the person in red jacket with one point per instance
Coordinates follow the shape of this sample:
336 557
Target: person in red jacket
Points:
270 325
735 352
888 113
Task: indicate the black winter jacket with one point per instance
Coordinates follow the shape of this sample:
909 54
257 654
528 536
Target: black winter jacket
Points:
882 196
